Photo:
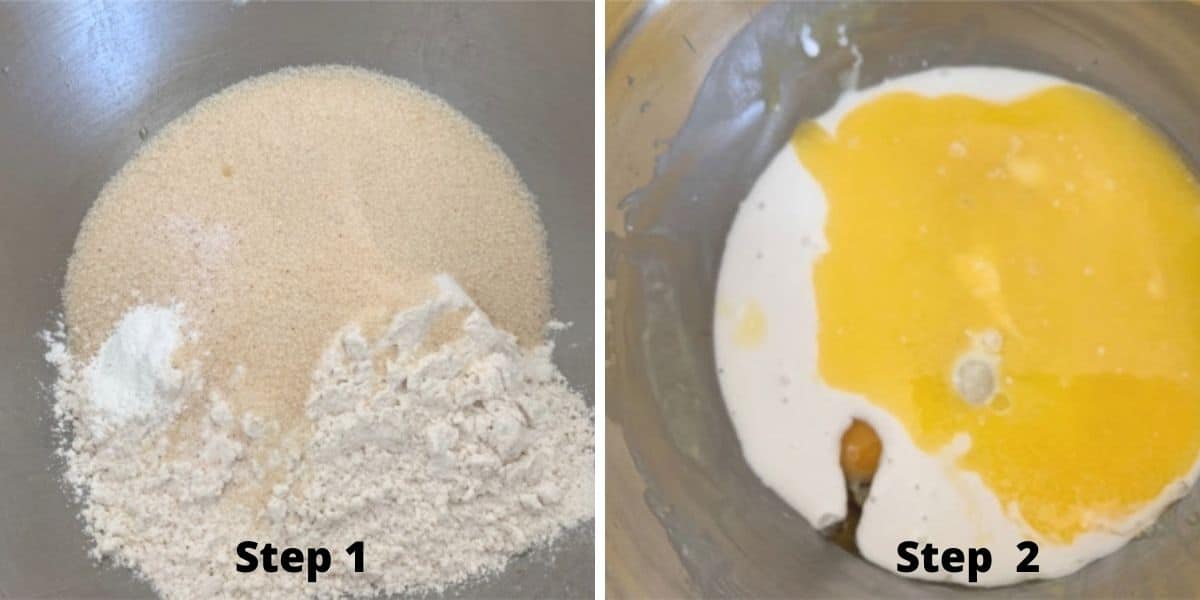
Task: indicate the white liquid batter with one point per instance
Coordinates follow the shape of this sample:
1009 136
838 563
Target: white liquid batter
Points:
790 422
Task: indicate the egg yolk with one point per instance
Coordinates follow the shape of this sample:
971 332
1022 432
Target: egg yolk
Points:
1063 232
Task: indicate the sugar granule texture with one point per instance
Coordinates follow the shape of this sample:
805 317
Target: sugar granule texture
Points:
274 217
290 204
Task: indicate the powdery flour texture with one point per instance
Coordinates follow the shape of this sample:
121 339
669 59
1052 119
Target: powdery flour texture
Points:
316 367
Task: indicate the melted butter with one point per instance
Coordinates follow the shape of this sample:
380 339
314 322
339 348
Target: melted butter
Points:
751 327
1061 222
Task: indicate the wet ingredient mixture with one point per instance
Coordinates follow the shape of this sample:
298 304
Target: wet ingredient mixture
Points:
982 279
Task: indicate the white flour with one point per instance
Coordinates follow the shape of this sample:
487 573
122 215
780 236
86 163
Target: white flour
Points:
445 462
132 376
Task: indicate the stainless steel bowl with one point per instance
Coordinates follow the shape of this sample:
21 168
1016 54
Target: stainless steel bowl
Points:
696 106
81 85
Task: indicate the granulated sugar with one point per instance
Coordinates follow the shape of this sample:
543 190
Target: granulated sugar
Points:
262 312
288 205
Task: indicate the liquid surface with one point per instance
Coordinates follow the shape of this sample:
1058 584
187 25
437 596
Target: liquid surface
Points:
975 401
1058 227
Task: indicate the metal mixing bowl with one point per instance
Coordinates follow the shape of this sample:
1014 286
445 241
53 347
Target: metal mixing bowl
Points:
81 85
696 106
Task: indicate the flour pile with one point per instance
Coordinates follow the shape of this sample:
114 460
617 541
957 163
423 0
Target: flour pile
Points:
441 443
133 377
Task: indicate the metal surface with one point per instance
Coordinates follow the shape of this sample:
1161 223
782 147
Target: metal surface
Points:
79 81
691 149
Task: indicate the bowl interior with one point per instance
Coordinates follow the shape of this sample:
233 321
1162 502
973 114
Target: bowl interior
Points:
82 84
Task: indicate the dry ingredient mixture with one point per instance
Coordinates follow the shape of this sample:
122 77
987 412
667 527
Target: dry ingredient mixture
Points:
288 320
